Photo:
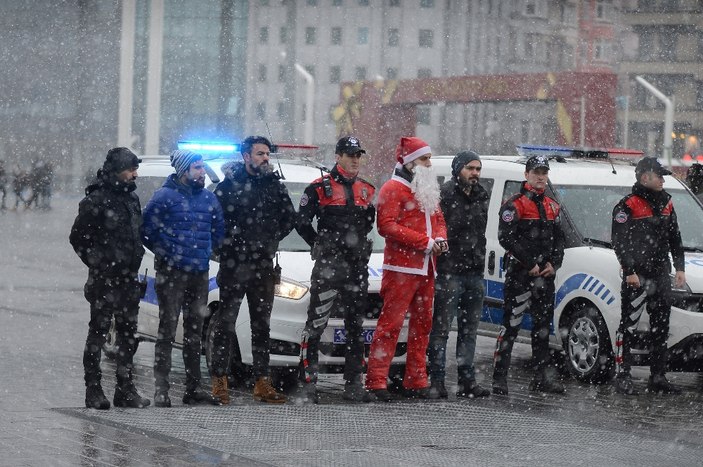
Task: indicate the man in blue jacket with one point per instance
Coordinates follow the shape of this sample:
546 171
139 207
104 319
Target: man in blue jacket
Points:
183 223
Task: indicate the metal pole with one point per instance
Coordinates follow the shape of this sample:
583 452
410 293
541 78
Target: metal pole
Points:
668 116
626 129
153 89
582 129
124 112
309 102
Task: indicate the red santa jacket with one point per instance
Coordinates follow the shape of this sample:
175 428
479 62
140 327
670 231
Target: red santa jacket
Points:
410 233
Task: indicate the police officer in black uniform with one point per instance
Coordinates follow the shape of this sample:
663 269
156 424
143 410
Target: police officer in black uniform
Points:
341 201
106 237
645 230
531 233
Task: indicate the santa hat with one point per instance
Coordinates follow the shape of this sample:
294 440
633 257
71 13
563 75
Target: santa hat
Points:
411 148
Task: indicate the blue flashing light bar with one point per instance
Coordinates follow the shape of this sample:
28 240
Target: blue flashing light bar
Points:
525 150
209 147
593 153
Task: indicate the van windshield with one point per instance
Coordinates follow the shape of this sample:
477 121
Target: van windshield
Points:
590 208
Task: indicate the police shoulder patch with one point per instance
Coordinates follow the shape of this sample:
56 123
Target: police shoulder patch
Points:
507 215
304 200
621 217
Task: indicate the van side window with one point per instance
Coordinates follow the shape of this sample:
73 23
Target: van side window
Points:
487 184
511 187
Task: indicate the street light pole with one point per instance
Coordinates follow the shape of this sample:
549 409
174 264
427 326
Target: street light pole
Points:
153 88
124 106
309 102
668 116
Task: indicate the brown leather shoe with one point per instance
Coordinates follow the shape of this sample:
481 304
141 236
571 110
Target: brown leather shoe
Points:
220 389
265 392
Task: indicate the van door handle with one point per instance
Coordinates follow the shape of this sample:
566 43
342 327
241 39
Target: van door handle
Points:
492 263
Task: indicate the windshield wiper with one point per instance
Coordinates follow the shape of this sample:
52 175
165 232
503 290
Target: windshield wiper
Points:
594 241
693 248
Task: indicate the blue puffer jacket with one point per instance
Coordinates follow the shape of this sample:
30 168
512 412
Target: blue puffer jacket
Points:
182 225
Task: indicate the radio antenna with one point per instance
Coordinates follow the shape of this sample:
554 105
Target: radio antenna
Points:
275 151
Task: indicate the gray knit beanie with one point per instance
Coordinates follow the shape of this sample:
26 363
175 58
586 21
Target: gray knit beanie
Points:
181 160
461 159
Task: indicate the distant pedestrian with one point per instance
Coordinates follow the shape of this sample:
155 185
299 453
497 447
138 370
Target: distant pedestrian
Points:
530 231
3 184
411 221
341 202
182 225
645 231
459 287
106 237
258 215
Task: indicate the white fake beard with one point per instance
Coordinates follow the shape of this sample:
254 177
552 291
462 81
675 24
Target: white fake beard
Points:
426 188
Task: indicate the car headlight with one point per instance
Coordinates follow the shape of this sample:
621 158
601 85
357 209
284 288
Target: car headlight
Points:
290 289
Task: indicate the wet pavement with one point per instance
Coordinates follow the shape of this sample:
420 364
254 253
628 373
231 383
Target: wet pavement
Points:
44 320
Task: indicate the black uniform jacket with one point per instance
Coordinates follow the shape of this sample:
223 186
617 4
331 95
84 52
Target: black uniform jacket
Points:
105 234
345 215
530 230
645 230
466 217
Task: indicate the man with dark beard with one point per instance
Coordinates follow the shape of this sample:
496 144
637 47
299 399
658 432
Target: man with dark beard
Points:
459 289
105 235
258 215
411 221
182 225
645 230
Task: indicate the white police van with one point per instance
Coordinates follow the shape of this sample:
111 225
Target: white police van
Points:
588 184
292 295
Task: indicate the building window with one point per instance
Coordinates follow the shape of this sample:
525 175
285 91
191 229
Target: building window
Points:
281 73
283 35
312 2
262 73
336 2
426 3
336 36
264 35
531 44
604 10
395 2
392 73
281 110
310 34
362 36
360 73
423 115
668 41
363 2
536 8
424 73
335 74
602 50
426 38
393 37
261 110
264 2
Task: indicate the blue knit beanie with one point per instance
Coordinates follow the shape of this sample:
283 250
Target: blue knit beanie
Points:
181 160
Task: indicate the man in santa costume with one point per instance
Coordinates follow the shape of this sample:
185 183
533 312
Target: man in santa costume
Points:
411 221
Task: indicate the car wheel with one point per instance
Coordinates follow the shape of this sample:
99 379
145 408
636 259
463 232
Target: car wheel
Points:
109 347
587 346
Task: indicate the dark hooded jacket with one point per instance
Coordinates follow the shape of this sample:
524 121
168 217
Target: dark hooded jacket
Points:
105 234
258 215
645 230
466 217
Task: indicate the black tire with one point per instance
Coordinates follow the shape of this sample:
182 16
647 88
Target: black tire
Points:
109 348
589 354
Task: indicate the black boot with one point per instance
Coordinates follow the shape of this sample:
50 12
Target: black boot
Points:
438 390
161 399
547 381
659 383
471 389
354 391
624 385
95 397
127 396
500 385
198 396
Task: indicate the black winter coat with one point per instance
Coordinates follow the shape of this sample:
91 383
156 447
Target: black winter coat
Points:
105 234
258 215
466 217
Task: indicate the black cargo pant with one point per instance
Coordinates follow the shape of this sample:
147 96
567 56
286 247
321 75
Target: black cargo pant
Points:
257 283
336 283
178 291
110 297
524 293
654 293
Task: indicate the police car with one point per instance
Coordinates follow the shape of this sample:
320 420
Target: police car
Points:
292 295
588 183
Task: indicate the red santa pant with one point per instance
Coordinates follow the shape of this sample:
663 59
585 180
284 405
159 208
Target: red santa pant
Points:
402 292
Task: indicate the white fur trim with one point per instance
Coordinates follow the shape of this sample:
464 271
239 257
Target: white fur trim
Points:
416 154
